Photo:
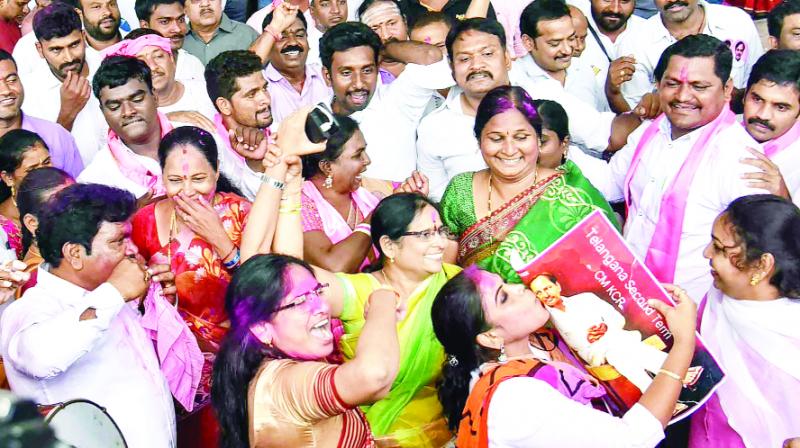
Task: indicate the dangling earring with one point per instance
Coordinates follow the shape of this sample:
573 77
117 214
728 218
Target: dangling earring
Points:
13 194
502 359
328 182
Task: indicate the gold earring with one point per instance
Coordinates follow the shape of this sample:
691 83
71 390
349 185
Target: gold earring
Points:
502 359
328 182
13 194
755 279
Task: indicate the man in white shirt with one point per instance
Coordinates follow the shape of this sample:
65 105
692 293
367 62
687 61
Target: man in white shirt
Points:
61 91
173 95
169 18
681 170
293 83
608 22
388 116
677 19
596 331
76 334
129 161
771 111
446 143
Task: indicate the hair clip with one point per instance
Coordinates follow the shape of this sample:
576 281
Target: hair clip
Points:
452 360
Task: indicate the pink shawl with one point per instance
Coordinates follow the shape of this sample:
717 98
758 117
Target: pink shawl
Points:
132 168
775 146
662 254
178 353
758 345
335 227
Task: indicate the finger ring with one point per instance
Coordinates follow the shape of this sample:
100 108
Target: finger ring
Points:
622 73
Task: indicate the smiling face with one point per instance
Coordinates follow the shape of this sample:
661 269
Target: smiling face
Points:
64 54
170 21
479 63
204 13
691 94
552 49
162 67
676 11
291 52
11 93
770 109
188 172
352 162
130 111
327 13
302 329
722 253
547 291
415 253
511 310
101 18
353 78
612 15
510 146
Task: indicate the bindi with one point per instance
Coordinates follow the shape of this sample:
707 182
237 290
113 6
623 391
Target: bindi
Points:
684 75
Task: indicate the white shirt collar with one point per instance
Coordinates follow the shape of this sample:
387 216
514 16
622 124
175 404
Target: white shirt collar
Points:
67 291
709 26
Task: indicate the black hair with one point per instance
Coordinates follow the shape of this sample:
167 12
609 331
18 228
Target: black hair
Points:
343 37
366 4
6 56
487 26
457 317
698 46
777 15
333 147
34 193
431 17
223 71
75 214
253 296
539 11
116 71
554 117
204 142
15 144
779 66
501 99
139 32
765 223
57 19
268 19
144 8
392 217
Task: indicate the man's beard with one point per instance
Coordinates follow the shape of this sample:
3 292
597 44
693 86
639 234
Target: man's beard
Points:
97 33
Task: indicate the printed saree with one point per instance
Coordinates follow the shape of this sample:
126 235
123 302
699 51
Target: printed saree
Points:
528 224
410 415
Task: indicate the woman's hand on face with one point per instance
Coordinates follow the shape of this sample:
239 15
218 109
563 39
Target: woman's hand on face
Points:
416 183
201 218
292 137
681 318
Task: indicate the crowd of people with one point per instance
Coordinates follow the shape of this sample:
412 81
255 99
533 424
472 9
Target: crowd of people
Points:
176 249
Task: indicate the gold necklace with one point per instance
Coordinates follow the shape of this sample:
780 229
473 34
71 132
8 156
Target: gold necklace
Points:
489 198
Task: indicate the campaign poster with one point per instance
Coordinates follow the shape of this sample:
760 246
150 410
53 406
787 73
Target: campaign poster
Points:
597 292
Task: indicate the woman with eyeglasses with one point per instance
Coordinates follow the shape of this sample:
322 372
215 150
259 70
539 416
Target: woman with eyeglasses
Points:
272 384
517 203
411 241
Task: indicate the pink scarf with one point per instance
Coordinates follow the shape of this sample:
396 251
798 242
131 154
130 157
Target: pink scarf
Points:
132 168
178 353
662 255
775 146
335 227
758 345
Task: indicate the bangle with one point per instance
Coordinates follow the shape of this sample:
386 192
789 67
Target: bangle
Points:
672 375
272 182
275 35
234 262
290 208
364 228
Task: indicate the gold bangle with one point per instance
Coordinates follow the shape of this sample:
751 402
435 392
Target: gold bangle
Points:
672 375
289 212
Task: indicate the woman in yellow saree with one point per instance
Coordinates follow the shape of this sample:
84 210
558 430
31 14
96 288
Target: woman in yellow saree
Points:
408 232
517 204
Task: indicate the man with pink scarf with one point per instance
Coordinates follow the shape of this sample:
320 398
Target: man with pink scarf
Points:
123 85
680 170
771 109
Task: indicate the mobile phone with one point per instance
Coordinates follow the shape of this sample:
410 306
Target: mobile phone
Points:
321 124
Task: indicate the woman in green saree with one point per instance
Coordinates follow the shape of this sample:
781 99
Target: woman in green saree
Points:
412 242
516 204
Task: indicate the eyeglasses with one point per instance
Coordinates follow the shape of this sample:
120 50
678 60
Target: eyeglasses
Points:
301 299
427 235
